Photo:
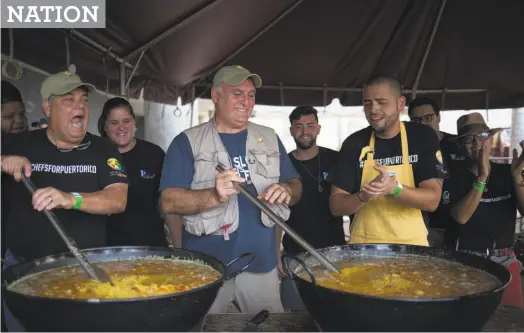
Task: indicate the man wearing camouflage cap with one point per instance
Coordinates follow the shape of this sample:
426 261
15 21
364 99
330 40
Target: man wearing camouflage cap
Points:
217 220
78 175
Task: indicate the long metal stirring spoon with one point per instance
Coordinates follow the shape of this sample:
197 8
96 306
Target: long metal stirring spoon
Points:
281 223
94 271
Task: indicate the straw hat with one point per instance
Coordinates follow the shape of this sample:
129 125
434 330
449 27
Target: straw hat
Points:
472 124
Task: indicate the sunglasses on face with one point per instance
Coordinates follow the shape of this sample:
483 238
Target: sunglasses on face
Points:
82 146
480 136
424 119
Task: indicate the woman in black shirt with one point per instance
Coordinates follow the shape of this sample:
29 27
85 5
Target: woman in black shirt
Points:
140 223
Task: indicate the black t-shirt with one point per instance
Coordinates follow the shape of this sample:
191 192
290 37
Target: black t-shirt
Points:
140 223
496 214
423 147
452 159
441 218
29 232
311 217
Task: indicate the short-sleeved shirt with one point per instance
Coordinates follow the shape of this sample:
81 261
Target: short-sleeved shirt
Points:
30 235
140 223
423 148
311 217
496 214
251 236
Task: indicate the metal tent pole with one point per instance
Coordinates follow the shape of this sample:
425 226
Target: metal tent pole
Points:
95 45
123 80
344 89
428 47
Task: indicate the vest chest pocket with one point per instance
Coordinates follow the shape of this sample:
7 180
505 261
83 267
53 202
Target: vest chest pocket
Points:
267 162
205 172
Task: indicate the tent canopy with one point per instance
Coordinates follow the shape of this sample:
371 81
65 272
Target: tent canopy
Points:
306 51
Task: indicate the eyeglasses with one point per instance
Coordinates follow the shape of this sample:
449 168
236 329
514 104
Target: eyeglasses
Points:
82 146
483 136
424 119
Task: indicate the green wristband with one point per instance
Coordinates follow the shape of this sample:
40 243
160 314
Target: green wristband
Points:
397 190
78 200
479 187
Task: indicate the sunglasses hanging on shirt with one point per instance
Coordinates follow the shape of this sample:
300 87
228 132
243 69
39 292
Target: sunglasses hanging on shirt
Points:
82 146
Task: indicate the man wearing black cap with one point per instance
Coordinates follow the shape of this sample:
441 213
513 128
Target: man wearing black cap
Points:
77 175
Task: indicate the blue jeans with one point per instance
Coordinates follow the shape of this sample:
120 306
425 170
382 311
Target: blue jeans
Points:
13 325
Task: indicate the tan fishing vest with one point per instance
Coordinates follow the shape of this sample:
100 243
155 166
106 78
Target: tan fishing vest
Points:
263 160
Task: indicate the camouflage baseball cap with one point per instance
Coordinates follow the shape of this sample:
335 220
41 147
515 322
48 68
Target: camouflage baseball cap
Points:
62 83
235 75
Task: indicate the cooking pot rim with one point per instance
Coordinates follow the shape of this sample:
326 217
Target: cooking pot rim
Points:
59 256
364 247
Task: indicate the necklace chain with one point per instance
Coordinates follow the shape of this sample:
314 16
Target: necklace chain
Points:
318 179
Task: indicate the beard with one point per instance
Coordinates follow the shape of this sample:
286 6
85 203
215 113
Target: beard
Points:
302 144
383 126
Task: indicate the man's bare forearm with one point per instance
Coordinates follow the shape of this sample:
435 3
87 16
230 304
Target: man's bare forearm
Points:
294 186
175 224
111 200
464 209
187 202
423 198
345 203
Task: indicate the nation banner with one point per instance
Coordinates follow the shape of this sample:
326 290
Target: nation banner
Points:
67 14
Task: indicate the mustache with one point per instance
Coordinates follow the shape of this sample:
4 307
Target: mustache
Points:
305 145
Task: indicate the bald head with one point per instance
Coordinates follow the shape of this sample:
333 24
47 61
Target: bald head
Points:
383 103
393 84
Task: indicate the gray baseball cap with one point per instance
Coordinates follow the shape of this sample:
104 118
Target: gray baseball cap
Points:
62 83
235 75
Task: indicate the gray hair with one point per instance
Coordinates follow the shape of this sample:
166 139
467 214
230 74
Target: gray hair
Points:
219 89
